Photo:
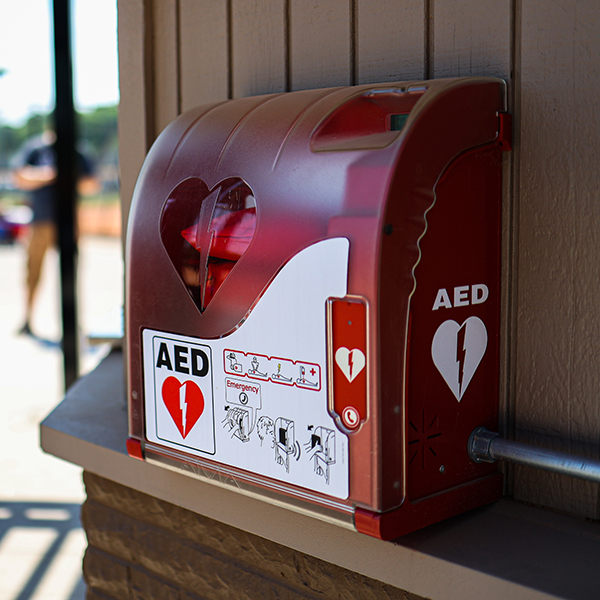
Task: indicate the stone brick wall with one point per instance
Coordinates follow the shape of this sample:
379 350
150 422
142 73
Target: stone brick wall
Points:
141 548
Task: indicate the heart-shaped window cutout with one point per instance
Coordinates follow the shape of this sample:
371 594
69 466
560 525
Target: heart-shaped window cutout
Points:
206 231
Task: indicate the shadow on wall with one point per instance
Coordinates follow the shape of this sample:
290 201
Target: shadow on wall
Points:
41 548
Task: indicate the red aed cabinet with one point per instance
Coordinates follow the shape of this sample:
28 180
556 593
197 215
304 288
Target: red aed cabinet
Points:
313 298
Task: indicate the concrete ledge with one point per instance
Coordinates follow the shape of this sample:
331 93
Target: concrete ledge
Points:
506 550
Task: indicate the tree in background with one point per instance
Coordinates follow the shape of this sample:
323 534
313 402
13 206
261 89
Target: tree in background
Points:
13 138
99 129
97 132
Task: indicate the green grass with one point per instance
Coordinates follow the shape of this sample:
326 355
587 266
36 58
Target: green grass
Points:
105 199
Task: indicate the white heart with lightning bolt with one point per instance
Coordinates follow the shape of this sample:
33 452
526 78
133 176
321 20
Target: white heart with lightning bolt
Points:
350 362
457 351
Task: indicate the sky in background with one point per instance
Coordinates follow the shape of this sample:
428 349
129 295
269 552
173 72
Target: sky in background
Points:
26 53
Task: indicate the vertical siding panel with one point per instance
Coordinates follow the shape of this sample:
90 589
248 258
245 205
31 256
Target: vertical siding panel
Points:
320 43
471 37
558 344
135 90
204 51
390 40
258 44
166 67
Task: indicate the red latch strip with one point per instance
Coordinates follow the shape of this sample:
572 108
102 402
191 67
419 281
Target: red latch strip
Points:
349 357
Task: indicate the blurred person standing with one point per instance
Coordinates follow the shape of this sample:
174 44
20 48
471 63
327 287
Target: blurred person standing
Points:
35 173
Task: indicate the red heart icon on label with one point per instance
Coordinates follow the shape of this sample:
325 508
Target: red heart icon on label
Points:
206 231
184 401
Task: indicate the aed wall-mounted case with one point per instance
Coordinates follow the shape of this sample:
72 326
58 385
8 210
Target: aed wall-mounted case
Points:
313 285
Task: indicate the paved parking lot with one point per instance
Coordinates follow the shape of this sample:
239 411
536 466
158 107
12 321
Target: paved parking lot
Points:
41 543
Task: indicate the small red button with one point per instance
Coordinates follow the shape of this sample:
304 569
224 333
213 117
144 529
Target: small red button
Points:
350 417
134 448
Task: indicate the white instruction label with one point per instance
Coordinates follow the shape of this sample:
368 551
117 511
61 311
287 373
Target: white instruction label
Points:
257 399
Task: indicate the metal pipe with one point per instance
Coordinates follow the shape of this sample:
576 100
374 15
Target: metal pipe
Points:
487 446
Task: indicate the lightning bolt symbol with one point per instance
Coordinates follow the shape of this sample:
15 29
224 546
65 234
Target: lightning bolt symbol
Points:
350 363
183 405
461 354
204 237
